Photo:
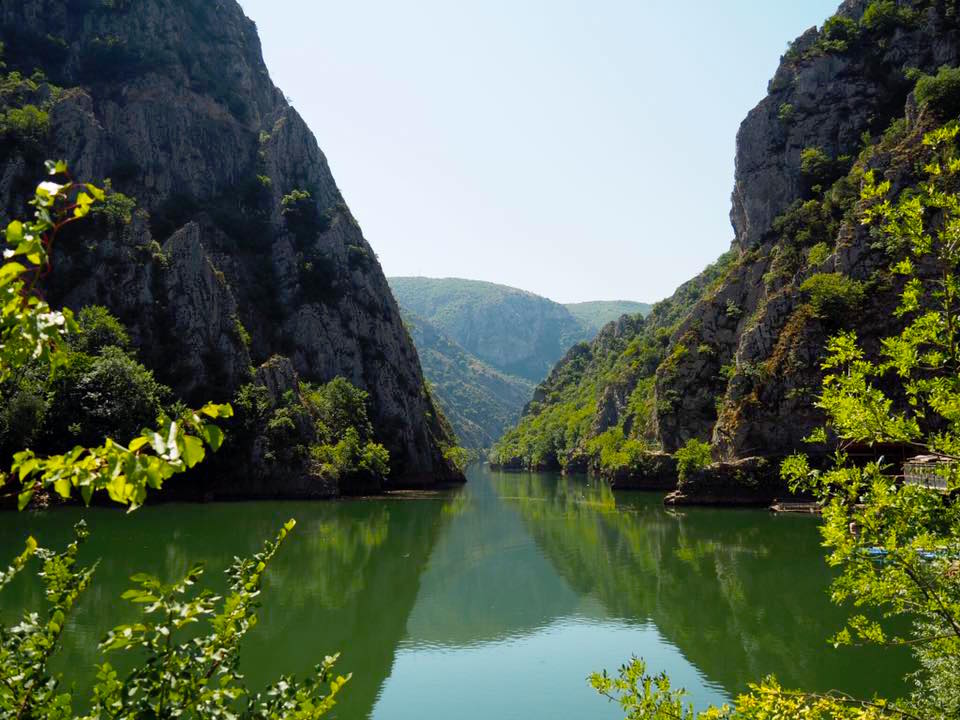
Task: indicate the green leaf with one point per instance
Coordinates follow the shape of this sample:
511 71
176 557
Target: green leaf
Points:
24 498
217 411
193 451
213 436
97 193
15 232
27 467
117 489
63 487
10 271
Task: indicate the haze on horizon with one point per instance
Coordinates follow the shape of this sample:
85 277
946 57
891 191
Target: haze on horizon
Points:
578 150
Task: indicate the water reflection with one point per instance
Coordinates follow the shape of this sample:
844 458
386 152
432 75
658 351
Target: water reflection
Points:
346 579
740 593
494 600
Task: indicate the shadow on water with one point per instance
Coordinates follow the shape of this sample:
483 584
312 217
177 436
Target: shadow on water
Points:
490 601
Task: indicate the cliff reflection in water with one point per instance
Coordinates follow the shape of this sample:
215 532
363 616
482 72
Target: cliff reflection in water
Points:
741 593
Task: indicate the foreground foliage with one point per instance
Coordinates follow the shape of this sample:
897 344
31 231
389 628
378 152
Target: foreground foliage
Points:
33 334
178 672
652 697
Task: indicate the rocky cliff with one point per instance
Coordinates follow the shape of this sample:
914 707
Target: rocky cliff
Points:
240 245
840 104
733 358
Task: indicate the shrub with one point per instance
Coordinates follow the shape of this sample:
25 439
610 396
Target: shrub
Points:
240 332
784 265
806 223
458 457
28 124
785 113
886 15
818 254
940 93
819 168
325 426
98 330
837 34
813 160
116 207
292 200
614 451
896 131
303 219
252 403
350 456
693 456
832 294
318 277
338 406
111 395
21 418
358 258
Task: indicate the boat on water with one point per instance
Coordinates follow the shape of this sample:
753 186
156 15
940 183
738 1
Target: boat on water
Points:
879 553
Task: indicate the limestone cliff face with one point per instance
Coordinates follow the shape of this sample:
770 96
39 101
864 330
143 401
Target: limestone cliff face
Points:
757 325
241 246
734 356
828 100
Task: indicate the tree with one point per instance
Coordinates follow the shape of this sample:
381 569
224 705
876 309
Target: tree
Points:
175 674
694 455
896 543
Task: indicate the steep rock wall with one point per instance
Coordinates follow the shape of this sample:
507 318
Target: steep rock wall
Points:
171 100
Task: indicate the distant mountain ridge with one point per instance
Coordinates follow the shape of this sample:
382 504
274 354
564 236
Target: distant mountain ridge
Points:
595 314
484 346
515 331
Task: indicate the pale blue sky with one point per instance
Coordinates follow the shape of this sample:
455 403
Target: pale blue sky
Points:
578 149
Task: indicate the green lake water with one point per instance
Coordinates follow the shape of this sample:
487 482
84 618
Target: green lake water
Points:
491 601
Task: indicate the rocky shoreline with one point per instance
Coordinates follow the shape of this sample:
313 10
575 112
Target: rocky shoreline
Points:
748 482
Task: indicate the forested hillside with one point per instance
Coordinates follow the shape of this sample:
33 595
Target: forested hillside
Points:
733 358
224 262
485 346
479 401
515 331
